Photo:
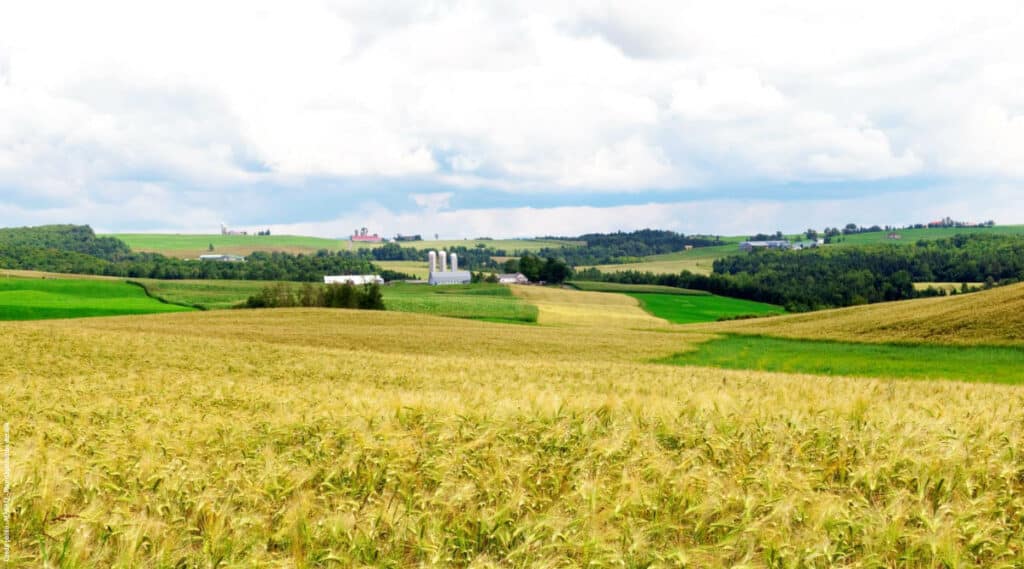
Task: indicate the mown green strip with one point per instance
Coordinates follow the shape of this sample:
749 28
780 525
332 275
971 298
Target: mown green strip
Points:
491 303
990 364
689 309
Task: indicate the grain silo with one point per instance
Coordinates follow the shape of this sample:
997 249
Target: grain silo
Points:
444 276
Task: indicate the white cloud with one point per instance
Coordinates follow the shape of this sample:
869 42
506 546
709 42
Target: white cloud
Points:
725 94
433 202
535 96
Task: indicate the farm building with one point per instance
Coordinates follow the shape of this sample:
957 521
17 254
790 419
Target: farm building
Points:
751 245
513 278
444 276
812 244
362 235
223 258
353 279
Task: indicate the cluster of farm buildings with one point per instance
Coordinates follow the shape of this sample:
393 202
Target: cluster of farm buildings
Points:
440 273
781 244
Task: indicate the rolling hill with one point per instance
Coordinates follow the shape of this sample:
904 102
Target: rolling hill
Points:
184 245
994 317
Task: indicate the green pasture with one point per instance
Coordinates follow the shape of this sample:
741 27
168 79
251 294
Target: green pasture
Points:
42 298
911 236
207 294
687 309
820 357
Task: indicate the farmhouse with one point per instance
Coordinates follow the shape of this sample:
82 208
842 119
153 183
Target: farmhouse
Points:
354 279
223 258
751 245
362 235
513 278
444 276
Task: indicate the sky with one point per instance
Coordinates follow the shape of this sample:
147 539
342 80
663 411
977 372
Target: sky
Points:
503 119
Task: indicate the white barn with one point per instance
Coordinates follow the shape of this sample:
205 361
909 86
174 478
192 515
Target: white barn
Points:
513 278
223 258
354 279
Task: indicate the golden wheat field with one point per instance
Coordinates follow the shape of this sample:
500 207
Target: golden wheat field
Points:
330 438
991 317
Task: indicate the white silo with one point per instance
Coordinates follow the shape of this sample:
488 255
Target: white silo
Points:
432 258
444 261
455 262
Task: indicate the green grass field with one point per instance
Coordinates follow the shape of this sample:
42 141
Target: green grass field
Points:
593 286
480 302
988 364
911 236
684 309
37 299
193 245
208 294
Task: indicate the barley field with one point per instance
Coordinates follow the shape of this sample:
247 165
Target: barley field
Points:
333 438
994 317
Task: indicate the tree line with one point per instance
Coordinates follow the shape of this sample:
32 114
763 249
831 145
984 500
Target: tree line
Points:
335 295
829 278
76 249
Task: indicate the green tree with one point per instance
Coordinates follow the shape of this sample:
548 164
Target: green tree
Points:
530 266
371 298
555 271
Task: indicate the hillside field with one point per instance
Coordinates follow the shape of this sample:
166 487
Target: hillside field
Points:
994 317
309 438
911 236
697 260
193 245
23 298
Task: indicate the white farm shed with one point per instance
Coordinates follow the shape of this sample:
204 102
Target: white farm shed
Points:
513 278
353 279
450 277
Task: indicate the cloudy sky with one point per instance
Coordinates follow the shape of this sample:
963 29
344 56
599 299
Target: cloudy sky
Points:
509 119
